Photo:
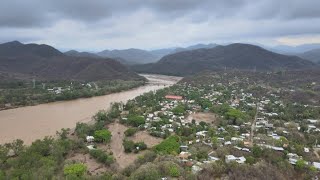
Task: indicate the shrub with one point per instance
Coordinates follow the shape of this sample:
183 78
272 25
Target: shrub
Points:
130 132
174 171
148 156
102 135
101 156
128 146
141 145
75 169
250 160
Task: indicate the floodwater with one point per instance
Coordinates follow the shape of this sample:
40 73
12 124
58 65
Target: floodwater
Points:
35 122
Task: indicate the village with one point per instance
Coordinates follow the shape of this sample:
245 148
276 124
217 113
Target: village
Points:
222 122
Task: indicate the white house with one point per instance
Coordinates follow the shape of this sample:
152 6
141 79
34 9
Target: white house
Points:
231 158
90 138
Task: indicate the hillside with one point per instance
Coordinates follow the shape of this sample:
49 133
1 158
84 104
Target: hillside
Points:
132 56
312 55
233 56
45 62
163 52
81 54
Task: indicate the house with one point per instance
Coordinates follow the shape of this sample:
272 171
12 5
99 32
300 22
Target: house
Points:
90 138
183 148
232 158
227 143
212 158
316 165
173 97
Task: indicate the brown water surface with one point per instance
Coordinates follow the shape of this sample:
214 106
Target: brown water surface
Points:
35 122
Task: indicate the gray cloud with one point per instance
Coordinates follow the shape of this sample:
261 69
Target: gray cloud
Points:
128 23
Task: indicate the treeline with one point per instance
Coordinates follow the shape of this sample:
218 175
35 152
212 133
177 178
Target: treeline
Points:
22 93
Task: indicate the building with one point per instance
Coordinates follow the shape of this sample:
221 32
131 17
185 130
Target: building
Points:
173 97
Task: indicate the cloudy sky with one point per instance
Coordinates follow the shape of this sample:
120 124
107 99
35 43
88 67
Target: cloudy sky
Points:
109 24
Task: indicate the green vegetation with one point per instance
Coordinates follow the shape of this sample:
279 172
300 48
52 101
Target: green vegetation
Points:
135 120
130 146
101 156
130 132
102 136
170 145
75 170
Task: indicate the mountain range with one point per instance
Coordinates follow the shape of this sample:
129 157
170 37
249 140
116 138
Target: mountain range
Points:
137 56
312 55
233 56
45 62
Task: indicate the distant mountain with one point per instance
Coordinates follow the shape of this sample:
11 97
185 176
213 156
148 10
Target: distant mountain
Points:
163 52
312 55
81 54
233 56
45 62
132 56
159 53
15 48
284 49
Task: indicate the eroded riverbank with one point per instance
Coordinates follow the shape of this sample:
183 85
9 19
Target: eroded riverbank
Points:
35 122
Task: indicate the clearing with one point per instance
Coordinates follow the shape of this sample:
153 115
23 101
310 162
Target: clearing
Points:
209 118
124 159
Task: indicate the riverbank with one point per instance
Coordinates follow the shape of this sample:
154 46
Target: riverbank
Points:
21 94
35 122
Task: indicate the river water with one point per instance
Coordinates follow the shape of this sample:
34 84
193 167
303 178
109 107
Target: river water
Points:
35 122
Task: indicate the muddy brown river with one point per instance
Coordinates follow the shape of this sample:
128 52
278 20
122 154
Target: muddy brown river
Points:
35 122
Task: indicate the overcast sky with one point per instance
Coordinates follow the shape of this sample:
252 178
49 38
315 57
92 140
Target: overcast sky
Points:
109 24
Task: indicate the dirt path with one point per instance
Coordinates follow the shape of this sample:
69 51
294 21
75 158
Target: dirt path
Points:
123 159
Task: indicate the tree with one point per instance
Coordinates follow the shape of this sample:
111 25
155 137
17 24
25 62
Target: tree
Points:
179 110
102 136
77 169
235 115
146 172
100 116
256 151
135 120
17 146
170 145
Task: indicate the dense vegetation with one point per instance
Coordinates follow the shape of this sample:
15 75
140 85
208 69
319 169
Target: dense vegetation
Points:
23 93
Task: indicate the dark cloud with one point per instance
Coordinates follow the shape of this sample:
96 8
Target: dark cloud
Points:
171 20
15 13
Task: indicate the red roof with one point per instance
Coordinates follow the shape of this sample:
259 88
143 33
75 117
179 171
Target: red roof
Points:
173 97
